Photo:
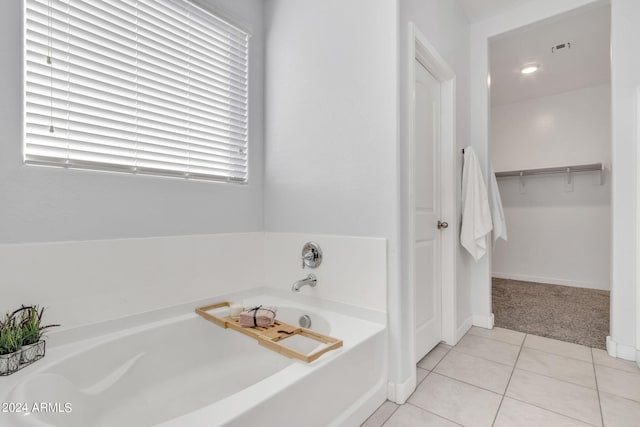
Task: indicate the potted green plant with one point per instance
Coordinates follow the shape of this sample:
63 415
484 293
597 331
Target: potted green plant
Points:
31 332
10 343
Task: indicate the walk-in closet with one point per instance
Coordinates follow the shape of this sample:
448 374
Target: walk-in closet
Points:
550 146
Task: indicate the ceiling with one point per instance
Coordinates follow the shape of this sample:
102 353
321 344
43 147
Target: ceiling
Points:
479 10
586 63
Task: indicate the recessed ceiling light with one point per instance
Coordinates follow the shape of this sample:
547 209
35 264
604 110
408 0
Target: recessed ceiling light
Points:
529 69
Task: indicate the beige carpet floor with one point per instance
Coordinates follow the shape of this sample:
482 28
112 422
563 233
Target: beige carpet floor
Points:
564 313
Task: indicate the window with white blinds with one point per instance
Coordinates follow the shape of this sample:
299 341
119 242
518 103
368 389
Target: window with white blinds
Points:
143 86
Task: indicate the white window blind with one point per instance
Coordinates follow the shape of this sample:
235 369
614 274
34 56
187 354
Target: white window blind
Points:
142 86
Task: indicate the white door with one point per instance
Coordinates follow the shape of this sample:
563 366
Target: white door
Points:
426 197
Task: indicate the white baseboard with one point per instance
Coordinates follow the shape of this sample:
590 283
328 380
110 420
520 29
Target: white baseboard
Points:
621 351
400 392
483 321
462 329
549 280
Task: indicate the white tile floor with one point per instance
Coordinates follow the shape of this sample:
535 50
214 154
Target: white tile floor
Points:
505 378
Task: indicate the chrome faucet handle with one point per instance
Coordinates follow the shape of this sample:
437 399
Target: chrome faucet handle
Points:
308 257
311 255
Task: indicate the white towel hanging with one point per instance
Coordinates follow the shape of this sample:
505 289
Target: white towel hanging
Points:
476 214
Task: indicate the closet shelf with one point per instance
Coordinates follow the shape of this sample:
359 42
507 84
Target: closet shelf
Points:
560 169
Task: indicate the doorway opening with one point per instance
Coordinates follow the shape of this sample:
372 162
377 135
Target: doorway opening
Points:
550 146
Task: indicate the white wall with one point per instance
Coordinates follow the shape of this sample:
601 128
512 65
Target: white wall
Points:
445 26
331 123
330 117
570 128
637 254
625 78
353 269
48 204
92 281
555 235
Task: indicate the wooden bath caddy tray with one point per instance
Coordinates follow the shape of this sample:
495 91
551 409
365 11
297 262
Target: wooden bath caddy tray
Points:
271 336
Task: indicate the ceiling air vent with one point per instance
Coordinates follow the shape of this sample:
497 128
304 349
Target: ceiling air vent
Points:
560 47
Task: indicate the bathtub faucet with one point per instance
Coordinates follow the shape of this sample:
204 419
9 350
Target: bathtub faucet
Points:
310 280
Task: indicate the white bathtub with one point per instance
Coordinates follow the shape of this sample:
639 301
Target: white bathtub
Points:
185 371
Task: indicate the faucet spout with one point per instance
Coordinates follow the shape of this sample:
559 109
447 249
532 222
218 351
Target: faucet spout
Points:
310 280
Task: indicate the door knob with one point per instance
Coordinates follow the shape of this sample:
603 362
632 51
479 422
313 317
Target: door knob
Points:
442 224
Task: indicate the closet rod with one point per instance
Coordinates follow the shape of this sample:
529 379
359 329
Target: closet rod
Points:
560 169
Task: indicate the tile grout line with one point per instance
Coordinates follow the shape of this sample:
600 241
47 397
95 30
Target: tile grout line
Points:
534 405
466 383
429 372
522 347
508 382
520 400
558 379
390 415
386 419
425 377
597 388
614 368
621 397
532 348
493 339
552 411
439 361
480 357
434 366
433 413
489 338
557 354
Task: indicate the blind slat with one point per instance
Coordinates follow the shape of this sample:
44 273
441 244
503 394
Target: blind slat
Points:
212 109
121 110
153 87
